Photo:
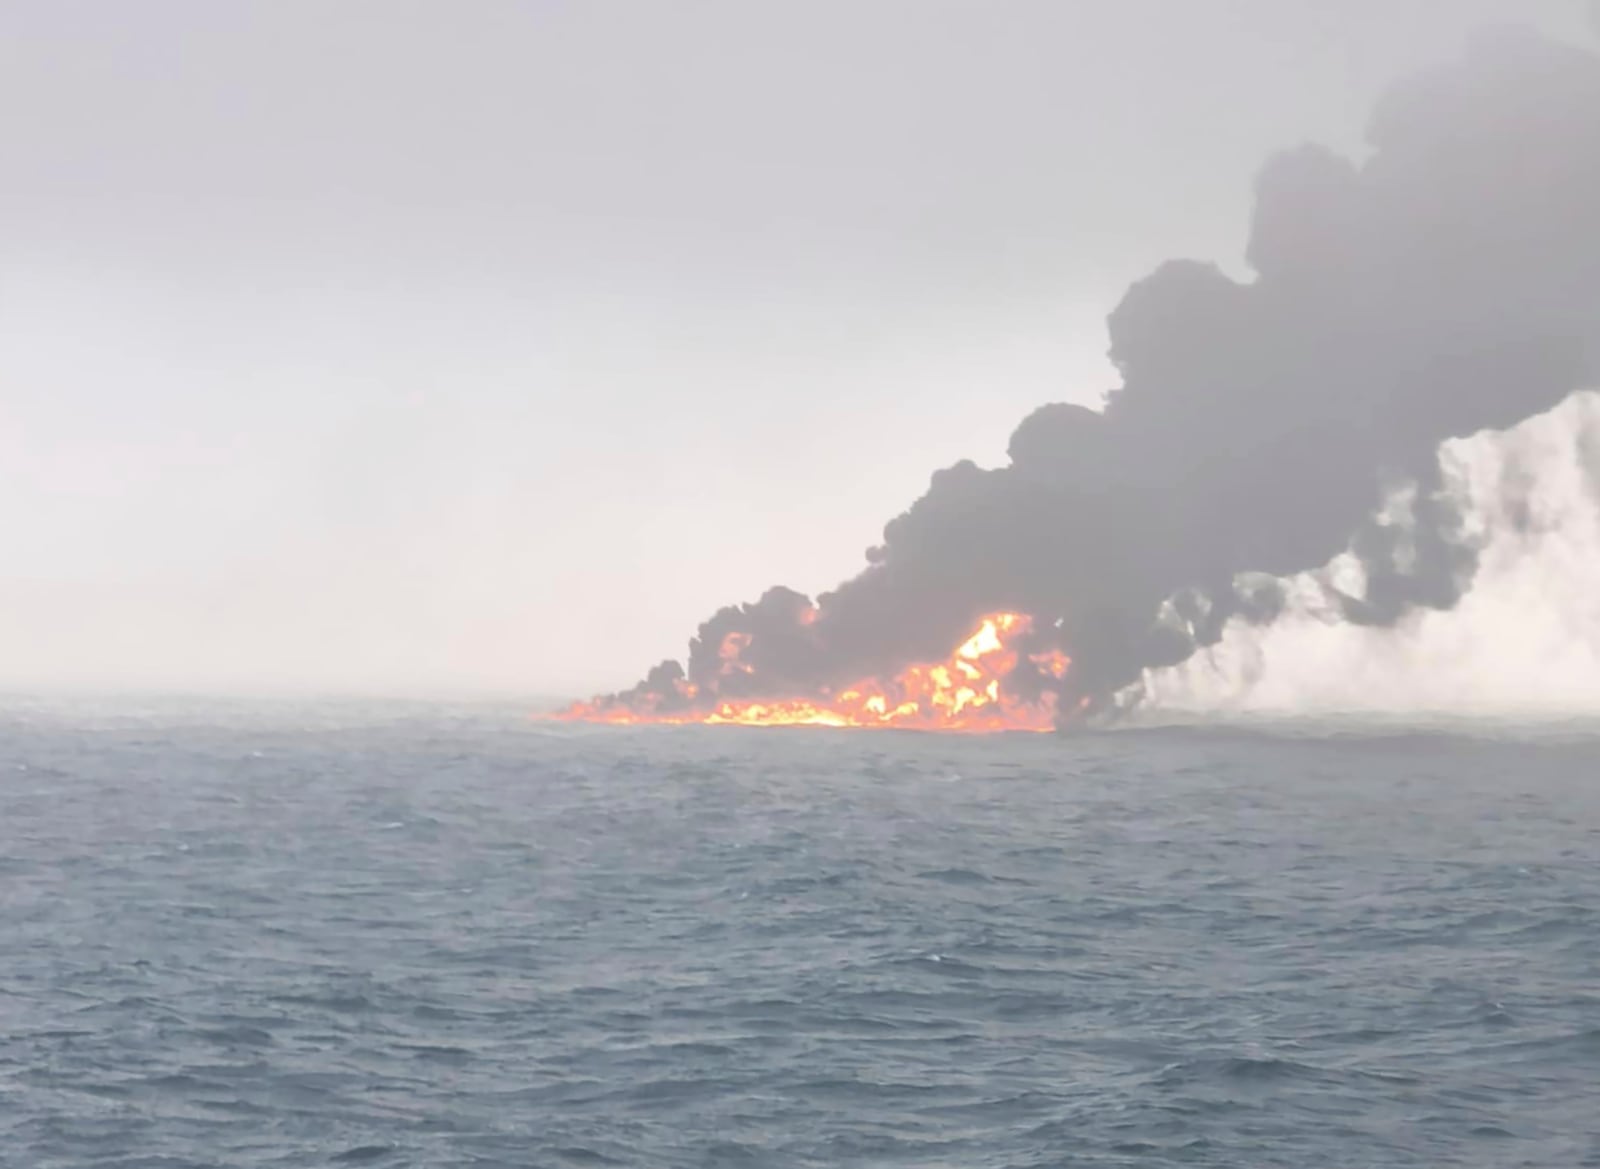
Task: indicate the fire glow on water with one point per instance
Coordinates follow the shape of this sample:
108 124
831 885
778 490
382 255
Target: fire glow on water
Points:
965 693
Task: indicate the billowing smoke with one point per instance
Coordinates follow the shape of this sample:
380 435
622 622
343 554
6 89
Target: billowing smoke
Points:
1525 641
1448 283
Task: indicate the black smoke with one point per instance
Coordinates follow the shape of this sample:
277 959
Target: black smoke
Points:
1448 283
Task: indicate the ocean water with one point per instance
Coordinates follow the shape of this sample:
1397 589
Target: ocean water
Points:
302 935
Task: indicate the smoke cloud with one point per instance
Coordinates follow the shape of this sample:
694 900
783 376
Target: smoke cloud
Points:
1447 284
1525 639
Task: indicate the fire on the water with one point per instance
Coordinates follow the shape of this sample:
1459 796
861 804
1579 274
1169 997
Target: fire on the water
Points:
964 693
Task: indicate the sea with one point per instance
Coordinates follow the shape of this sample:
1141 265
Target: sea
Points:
401 934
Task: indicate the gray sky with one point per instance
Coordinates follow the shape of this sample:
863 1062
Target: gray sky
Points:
399 346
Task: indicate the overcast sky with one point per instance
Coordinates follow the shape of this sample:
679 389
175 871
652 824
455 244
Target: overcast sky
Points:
381 345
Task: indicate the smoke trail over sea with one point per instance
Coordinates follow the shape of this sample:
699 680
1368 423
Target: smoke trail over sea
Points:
1447 284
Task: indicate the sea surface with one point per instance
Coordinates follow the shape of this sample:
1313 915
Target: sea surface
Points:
334 934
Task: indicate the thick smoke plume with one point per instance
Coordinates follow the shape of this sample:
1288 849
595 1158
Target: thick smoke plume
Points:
1447 284
1525 641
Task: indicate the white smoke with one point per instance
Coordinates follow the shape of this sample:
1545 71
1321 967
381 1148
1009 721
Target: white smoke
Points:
1525 640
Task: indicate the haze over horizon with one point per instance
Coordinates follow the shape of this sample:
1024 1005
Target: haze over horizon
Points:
387 348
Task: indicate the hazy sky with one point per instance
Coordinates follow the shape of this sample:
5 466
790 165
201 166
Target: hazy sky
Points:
400 346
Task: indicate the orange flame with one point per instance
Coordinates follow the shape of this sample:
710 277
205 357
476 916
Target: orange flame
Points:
965 693
728 653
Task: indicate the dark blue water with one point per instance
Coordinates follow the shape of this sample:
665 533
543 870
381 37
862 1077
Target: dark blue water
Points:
291 937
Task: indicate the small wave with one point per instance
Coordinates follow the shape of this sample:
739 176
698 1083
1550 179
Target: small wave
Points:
955 876
1237 1069
363 1154
241 1036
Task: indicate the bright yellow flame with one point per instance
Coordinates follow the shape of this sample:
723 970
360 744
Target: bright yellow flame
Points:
965 693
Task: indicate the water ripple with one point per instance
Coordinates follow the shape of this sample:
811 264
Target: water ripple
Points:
294 937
